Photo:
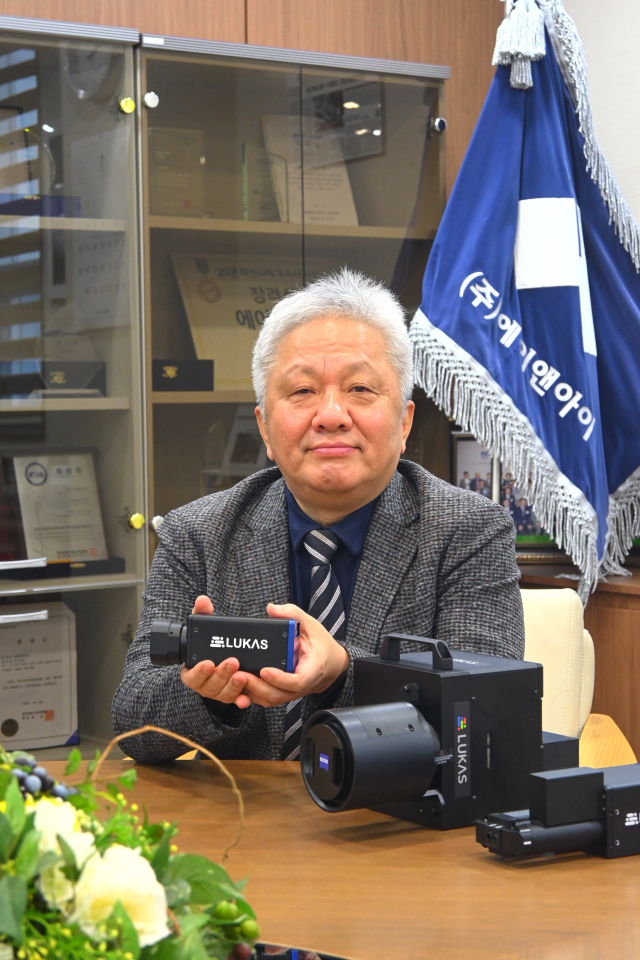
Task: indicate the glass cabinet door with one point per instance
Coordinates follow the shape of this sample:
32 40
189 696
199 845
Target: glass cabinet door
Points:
258 176
220 253
374 192
71 475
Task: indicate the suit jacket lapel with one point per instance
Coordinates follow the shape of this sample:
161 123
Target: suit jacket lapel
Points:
390 547
263 560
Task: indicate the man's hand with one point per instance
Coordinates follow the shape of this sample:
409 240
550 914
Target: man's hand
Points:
224 682
321 660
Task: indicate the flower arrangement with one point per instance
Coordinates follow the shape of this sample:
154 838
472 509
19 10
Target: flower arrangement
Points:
77 885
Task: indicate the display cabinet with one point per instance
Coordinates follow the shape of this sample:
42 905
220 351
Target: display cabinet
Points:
157 197
260 170
71 432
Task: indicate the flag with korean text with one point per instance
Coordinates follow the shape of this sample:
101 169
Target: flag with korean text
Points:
529 329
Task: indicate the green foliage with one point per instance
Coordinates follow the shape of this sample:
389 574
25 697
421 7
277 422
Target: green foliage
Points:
128 778
210 883
208 915
15 806
45 930
188 946
6 837
13 903
178 893
160 859
27 858
127 937
74 761
91 766
70 868
5 779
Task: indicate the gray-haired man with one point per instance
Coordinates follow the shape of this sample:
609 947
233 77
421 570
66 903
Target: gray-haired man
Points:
342 534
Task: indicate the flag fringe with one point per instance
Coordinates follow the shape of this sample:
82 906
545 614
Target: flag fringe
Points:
466 392
623 527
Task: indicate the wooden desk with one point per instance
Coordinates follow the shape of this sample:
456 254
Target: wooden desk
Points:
612 617
365 886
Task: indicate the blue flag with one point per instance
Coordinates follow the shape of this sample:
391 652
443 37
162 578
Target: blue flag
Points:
529 329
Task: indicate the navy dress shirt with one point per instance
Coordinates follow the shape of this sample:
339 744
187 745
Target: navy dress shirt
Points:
352 532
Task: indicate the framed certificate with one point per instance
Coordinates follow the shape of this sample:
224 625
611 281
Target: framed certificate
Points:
59 507
38 686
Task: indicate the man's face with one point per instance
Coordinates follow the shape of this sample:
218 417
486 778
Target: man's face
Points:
334 420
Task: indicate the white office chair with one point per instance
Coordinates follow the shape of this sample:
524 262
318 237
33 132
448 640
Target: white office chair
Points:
554 636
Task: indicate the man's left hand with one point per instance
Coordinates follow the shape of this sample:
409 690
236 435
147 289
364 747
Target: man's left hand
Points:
321 660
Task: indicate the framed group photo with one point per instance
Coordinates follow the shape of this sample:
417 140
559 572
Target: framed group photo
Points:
471 469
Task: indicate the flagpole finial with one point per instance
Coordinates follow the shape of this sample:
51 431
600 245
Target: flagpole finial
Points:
520 39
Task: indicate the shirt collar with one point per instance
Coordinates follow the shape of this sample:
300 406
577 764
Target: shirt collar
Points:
352 529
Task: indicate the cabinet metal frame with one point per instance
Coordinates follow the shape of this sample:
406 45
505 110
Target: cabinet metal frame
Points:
301 58
71 31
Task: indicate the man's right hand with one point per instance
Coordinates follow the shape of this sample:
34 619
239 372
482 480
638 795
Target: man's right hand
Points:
225 682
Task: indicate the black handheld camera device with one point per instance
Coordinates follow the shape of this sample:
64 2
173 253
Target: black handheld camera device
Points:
256 642
597 811
439 737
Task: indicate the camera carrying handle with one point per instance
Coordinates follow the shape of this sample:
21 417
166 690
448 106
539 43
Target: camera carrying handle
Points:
390 649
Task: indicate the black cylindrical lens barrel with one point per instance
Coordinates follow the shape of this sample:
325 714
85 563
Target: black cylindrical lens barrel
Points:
167 643
368 756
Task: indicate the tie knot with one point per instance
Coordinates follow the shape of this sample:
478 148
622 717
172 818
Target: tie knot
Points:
321 544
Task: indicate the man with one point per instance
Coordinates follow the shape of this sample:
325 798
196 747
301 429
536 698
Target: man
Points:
522 517
477 482
465 481
341 534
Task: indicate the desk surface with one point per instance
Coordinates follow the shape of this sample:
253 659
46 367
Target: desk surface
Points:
362 885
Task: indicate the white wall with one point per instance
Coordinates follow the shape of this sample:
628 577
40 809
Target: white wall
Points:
610 33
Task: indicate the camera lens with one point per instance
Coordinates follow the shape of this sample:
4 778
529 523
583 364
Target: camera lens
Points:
167 643
368 756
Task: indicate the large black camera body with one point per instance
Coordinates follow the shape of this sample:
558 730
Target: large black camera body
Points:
438 738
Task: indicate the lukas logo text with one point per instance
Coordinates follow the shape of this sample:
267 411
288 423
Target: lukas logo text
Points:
239 643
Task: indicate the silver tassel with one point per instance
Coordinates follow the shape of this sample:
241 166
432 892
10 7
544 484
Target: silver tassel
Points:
521 78
520 39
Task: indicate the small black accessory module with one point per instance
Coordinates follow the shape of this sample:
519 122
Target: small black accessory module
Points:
597 811
438 737
257 642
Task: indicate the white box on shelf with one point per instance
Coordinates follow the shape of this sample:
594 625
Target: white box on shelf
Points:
38 684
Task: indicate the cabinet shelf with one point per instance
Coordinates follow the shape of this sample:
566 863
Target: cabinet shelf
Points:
61 404
11 588
204 396
34 222
212 225
224 226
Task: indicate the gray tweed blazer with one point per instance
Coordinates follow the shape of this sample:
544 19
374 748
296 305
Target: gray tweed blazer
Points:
437 562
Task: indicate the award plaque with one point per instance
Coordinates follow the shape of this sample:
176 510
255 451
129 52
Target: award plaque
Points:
59 507
176 172
226 298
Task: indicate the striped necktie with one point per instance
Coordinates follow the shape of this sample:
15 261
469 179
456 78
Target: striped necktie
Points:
327 606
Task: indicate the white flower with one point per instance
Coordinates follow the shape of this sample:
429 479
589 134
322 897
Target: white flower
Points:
56 888
55 817
121 874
